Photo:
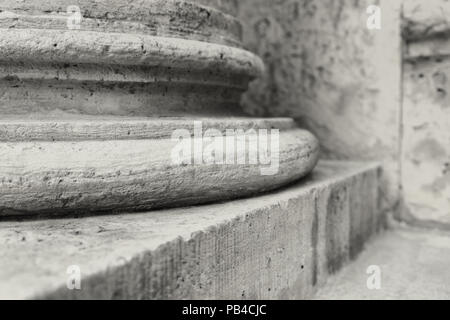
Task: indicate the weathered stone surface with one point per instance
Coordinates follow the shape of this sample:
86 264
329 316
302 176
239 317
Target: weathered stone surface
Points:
68 142
425 153
413 264
228 6
426 141
279 245
193 20
425 19
46 71
60 177
66 127
426 30
338 79
152 58
139 58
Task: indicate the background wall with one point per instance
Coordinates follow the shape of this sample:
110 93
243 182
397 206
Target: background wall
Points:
336 77
425 153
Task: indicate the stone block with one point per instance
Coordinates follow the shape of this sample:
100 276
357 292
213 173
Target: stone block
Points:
279 245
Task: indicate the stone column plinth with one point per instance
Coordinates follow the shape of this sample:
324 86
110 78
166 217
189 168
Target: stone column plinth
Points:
90 107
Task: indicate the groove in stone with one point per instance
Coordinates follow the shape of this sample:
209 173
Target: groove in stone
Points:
117 98
73 127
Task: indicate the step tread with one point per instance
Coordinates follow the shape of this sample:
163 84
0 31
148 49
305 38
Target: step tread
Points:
413 263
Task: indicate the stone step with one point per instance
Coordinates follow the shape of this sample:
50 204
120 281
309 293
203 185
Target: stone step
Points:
413 265
279 245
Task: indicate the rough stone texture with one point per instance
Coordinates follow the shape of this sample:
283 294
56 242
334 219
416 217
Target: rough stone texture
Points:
58 127
426 140
140 58
76 177
228 6
424 19
344 83
337 78
153 60
426 113
43 73
279 245
414 266
168 18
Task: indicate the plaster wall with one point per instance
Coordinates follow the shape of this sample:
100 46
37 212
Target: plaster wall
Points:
336 77
425 155
358 92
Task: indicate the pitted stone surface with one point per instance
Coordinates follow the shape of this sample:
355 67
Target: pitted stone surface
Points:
425 153
76 177
425 19
149 60
336 77
169 18
426 141
140 58
280 245
199 77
